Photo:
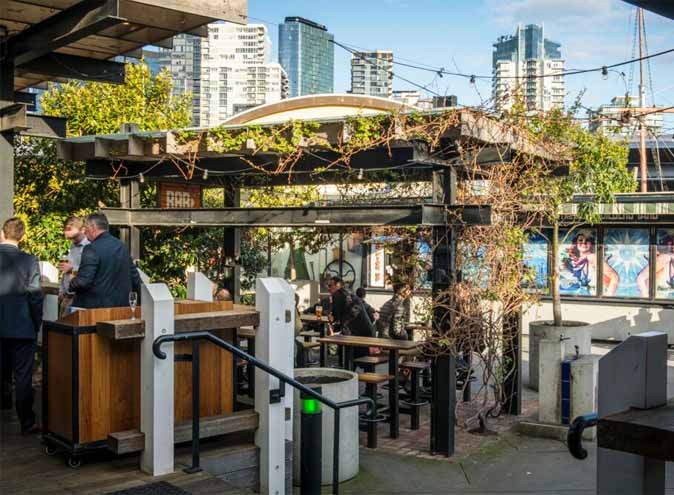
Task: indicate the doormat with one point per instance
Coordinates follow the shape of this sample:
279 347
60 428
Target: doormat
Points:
159 488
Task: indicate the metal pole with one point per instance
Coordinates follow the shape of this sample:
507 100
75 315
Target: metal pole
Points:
195 410
335 454
311 448
643 163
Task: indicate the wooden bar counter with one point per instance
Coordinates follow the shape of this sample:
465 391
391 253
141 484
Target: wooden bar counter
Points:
91 377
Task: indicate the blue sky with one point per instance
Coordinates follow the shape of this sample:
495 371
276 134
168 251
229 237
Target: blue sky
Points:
458 35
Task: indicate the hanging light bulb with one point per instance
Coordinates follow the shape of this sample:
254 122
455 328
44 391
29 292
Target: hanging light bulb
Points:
442 69
205 176
472 79
604 73
141 178
360 174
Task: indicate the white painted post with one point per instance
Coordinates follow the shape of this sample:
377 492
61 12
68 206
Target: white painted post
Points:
584 380
144 277
551 354
50 309
274 345
199 287
156 381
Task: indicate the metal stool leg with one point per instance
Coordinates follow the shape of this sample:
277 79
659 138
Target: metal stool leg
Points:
414 417
371 391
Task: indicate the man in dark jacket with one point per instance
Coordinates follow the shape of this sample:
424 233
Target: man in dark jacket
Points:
349 314
107 273
20 320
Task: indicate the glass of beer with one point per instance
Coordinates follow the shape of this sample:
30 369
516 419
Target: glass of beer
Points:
133 302
319 311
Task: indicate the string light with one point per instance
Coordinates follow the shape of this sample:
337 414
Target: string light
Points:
472 80
360 174
141 178
205 175
604 73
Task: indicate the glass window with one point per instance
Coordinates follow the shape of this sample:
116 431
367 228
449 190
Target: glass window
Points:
578 262
626 262
664 264
535 261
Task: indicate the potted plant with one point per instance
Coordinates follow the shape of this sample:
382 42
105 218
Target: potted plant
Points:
597 168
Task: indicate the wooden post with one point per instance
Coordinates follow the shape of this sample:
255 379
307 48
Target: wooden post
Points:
274 344
6 143
156 382
129 197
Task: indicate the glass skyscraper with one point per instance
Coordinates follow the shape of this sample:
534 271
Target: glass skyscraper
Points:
307 54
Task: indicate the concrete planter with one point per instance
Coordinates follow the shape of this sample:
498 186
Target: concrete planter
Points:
577 332
340 385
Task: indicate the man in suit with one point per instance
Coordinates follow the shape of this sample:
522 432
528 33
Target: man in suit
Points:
107 273
20 320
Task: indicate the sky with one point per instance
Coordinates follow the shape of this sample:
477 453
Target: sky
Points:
458 35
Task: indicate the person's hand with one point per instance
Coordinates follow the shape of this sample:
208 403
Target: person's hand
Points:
65 266
376 315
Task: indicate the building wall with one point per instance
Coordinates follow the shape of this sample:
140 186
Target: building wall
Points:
607 119
307 55
372 73
526 64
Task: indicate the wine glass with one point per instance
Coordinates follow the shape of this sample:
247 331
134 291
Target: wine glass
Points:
133 302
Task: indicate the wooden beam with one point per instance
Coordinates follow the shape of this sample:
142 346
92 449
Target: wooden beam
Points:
329 216
126 442
76 67
121 329
45 126
30 99
82 19
230 10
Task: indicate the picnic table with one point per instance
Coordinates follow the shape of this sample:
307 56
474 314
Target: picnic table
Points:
322 321
391 345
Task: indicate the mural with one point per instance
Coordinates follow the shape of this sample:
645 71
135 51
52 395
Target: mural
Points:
664 264
626 262
578 263
535 261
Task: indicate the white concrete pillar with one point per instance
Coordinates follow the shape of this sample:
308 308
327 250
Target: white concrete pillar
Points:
144 277
156 382
274 345
551 354
50 308
199 287
584 373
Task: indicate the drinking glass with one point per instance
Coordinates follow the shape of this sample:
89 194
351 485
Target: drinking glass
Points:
319 310
133 302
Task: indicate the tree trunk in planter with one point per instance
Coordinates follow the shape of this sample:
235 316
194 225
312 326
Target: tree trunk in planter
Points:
574 333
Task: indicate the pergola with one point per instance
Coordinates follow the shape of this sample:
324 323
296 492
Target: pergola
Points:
132 156
57 40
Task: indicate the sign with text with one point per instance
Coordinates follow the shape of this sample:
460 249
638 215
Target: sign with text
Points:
179 195
377 265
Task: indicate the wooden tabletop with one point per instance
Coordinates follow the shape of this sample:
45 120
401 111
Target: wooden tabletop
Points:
314 318
646 432
355 341
310 333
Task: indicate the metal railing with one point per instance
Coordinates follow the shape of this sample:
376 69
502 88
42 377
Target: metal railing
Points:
283 379
574 437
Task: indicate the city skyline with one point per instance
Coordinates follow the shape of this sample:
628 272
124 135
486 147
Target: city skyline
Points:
405 28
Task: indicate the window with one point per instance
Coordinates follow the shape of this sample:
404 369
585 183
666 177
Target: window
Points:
535 259
578 262
664 264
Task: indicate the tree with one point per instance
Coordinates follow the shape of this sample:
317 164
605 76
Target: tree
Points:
48 190
597 167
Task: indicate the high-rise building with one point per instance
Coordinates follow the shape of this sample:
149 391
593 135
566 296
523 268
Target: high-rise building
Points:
307 54
409 97
526 65
372 73
183 61
228 72
608 119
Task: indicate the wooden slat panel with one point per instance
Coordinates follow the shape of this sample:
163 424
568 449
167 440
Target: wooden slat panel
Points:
59 395
124 442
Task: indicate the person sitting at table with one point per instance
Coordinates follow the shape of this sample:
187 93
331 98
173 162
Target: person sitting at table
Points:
107 273
349 314
393 314
371 312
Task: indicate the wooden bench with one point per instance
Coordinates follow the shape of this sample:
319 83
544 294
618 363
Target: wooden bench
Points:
368 363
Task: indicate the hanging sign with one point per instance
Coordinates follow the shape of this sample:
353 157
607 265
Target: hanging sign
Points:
179 195
377 265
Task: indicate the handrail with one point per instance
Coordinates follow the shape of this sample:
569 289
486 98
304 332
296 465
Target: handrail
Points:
574 438
283 378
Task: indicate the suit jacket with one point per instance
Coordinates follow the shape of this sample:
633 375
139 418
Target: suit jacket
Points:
20 294
106 276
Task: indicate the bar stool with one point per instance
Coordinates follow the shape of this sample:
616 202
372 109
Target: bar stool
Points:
368 363
371 380
415 402
303 348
